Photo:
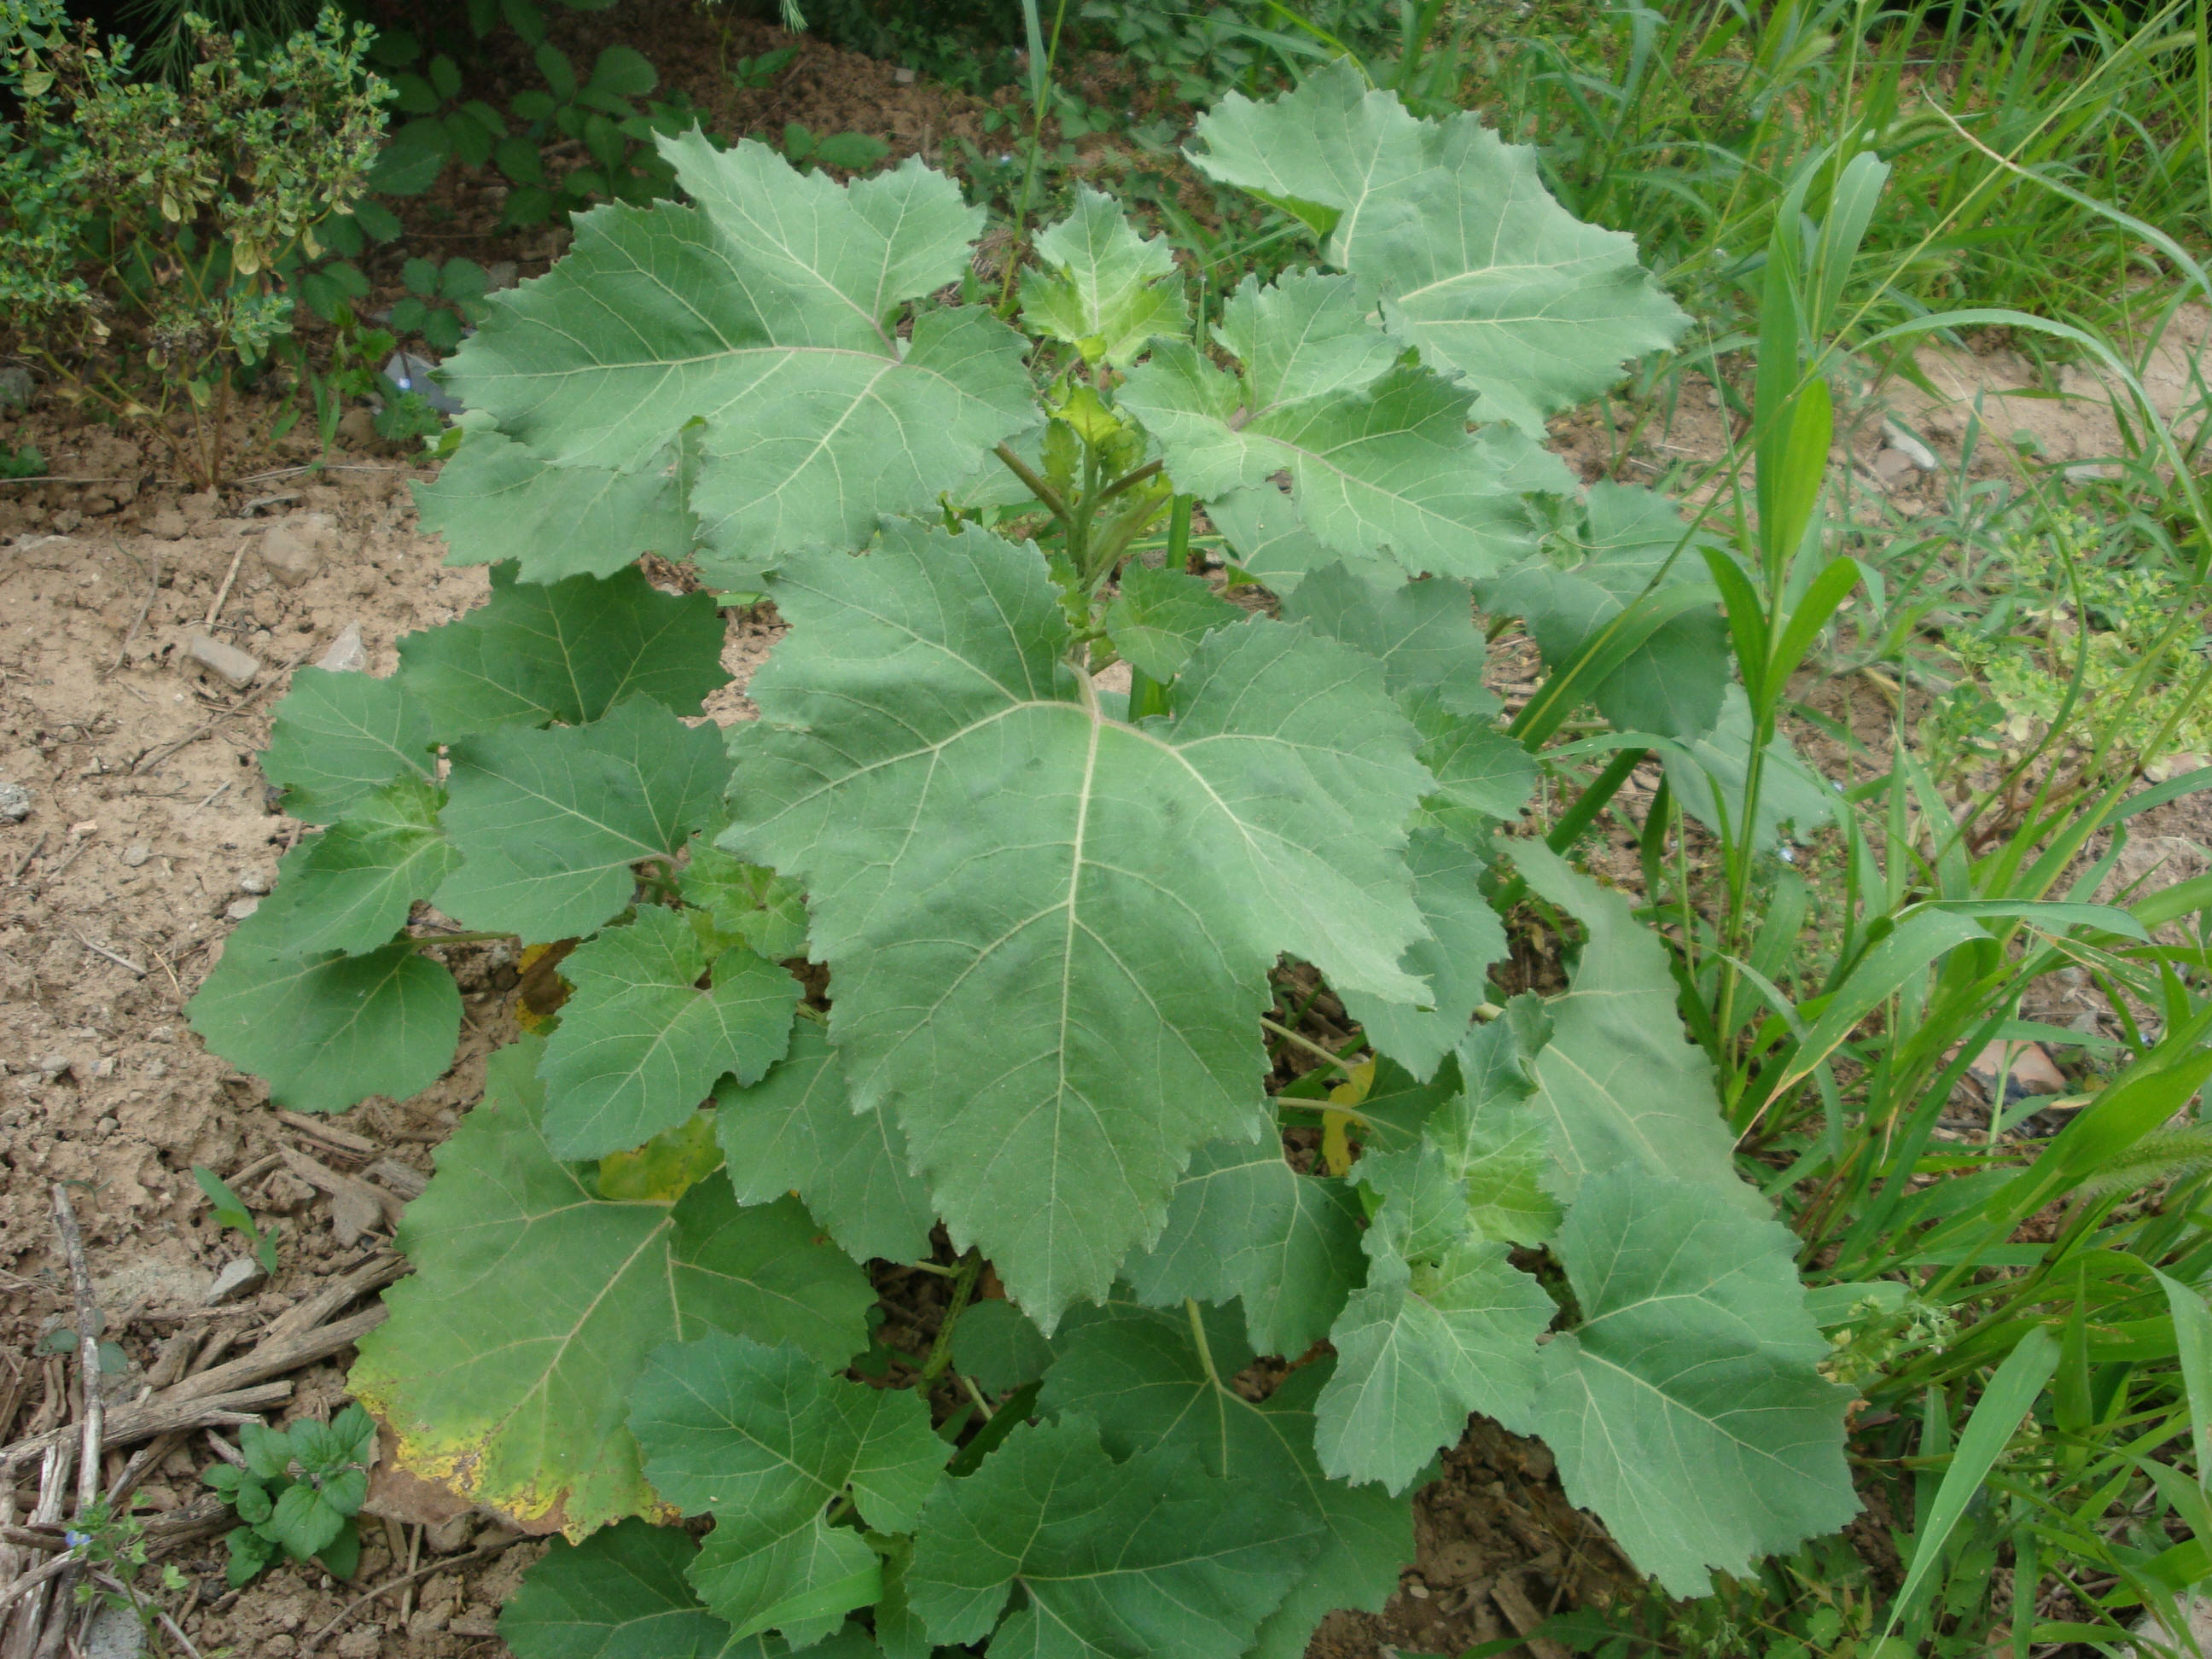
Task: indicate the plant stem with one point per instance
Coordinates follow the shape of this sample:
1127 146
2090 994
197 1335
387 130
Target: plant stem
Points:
1130 480
1036 485
940 1351
1198 1339
1306 1043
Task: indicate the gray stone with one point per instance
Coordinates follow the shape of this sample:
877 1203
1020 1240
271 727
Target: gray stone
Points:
136 854
17 386
1910 446
238 910
293 548
1893 468
252 881
347 654
232 1281
15 801
226 662
117 1633
56 1065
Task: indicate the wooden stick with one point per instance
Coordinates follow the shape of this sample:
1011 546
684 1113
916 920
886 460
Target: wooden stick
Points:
122 962
224 593
131 1424
87 1350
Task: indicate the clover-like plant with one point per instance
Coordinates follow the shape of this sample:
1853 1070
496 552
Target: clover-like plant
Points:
958 955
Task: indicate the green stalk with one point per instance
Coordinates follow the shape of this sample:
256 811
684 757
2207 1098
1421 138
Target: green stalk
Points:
963 1287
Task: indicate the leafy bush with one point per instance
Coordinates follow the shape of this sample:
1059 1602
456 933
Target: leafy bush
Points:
297 1493
169 214
1048 911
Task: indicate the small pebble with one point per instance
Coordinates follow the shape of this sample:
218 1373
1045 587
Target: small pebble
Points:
106 1125
136 854
1913 450
347 654
14 802
226 662
55 1065
234 1279
238 910
252 881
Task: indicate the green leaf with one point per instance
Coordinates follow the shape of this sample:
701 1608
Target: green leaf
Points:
1159 617
1790 792
1272 545
996 1344
751 901
1378 453
504 1371
1466 937
1619 1084
1444 1326
267 1451
341 1556
621 1594
767 312
1094 907
1474 262
1150 1556
796 1131
639 1045
623 71
496 500
1687 1409
304 1520
1671 682
549 823
1422 633
350 888
1494 1140
567 650
249 1553
328 1030
1142 1379
854 152
765 1441
1105 290
1244 1223
337 738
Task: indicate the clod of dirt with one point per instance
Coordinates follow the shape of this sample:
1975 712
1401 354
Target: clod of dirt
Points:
168 525
226 662
293 549
116 1633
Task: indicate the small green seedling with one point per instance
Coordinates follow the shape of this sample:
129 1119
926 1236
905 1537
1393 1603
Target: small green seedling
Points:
758 74
28 462
441 300
62 1339
298 1492
848 152
230 1212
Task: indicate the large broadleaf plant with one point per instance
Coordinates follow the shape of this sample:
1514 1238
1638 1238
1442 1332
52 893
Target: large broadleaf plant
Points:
957 956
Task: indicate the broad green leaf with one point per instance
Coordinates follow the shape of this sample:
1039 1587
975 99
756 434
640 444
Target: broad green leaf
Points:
351 887
768 312
796 1131
996 1344
748 900
639 1045
495 500
1050 931
1472 261
1142 1380
569 651
1378 453
1106 291
1272 545
1687 1409
504 1371
1618 1082
1466 937
338 739
305 1521
1477 769
326 1031
1244 1223
1422 633
1151 1556
765 1440
621 1594
1790 792
1444 1326
549 823
1399 1106
1158 618
1672 683
666 1167
1493 1138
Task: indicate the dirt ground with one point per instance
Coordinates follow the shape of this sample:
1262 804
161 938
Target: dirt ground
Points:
149 830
